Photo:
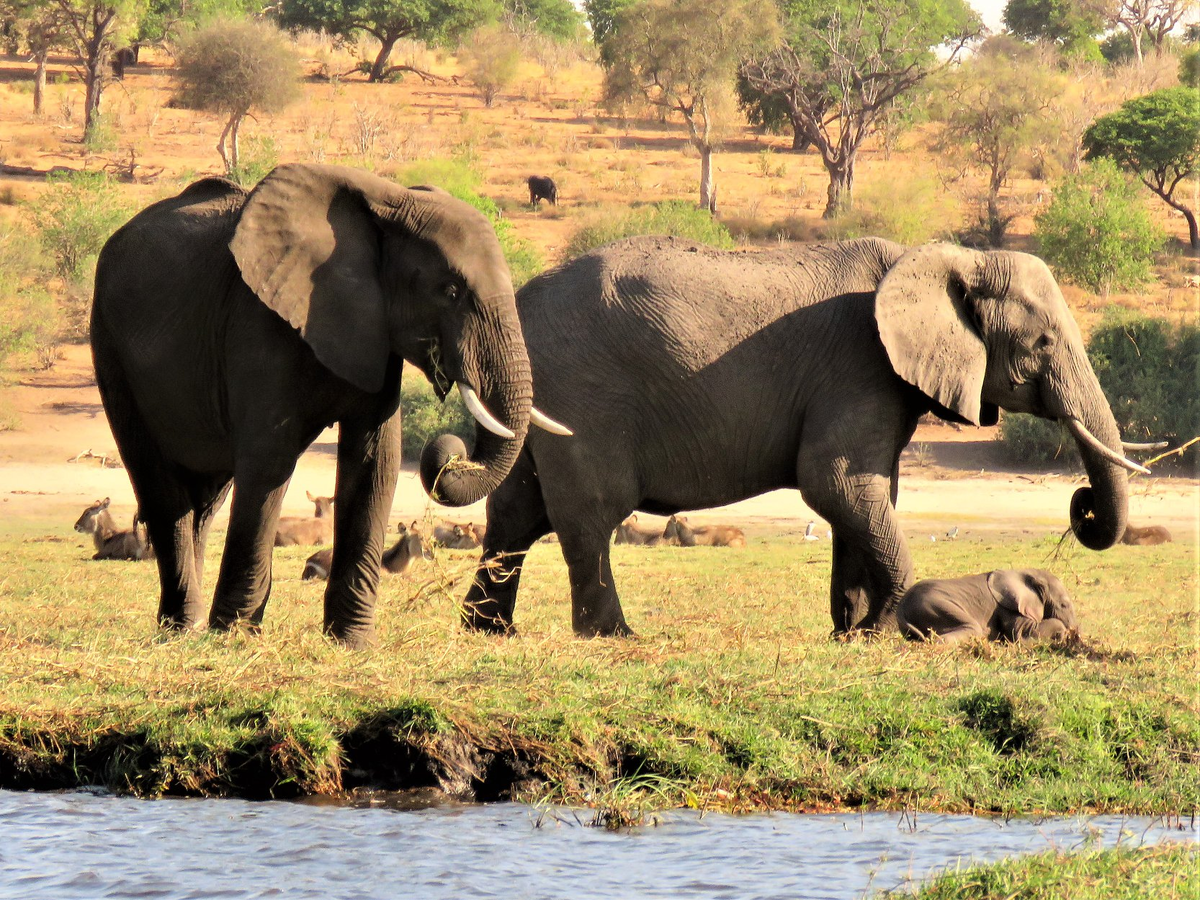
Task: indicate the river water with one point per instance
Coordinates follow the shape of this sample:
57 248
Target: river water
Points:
91 845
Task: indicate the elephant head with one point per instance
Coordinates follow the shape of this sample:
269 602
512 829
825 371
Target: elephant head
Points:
979 331
1034 594
365 269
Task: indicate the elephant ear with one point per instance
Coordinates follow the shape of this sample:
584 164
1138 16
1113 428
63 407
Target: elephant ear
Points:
307 244
927 324
1015 593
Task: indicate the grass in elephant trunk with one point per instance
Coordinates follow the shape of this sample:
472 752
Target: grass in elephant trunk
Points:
733 697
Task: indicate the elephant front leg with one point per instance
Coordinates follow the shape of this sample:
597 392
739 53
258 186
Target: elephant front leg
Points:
595 607
368 468
244 582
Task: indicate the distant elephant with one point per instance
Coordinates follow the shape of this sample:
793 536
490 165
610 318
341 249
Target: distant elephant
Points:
629 532
696 377
542 187
678 531
1145 536
230 328
1004 605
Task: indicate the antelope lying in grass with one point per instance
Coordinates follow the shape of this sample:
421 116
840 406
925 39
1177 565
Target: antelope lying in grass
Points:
396 559
678 530
629 532
457 535
1146 535
293 531
112 542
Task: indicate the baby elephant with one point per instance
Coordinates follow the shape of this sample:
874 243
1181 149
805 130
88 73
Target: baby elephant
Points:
542 187
1004 605
1146 535
678 530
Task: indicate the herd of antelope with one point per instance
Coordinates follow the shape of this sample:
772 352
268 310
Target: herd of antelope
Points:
412 545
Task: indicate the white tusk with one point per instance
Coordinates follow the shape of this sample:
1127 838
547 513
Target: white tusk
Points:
544 422
1157 445
1086 437
479 411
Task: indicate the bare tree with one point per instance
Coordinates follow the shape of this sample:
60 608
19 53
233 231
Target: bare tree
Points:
93 27
844 64
681 56
1153 19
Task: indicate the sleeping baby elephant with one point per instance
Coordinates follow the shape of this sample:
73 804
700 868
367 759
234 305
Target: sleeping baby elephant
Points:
1004 605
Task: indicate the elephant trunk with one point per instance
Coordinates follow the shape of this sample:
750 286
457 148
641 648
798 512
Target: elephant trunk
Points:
1099 513
493 364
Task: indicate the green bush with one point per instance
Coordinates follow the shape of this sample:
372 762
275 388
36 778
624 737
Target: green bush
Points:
459 178
1150 372
256 161
28 317
423 418
671 217
75 216
912 211
1096 231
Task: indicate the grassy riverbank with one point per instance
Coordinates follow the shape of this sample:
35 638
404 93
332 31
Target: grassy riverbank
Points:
1164 872
733 697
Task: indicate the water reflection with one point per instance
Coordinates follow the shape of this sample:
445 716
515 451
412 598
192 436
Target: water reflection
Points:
84 845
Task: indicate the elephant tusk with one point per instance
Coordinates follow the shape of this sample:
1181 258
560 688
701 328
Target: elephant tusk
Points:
482 416
1157 445
544 422
1084 436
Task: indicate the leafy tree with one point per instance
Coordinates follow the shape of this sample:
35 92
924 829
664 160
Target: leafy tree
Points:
168 20
602 17
94 29
844 62
1189 69
492 59
554 18
34 27
388 21
1072 25
1095 232
1157 137
993 109
233 67
682 56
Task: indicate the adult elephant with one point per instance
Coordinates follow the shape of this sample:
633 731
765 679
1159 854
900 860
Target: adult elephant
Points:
230 328
697 377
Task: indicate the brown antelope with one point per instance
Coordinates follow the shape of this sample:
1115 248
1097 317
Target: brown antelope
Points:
111 542
294 531
1146 535
397 559
457 535
706 535
628 532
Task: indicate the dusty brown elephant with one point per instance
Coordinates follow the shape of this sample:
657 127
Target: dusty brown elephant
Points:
230 328
695 378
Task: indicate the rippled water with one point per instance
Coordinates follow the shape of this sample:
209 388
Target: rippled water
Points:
84 845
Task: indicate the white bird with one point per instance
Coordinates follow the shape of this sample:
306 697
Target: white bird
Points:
952 533
933 537
808 532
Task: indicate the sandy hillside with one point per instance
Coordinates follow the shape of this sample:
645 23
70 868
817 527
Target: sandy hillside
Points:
951 477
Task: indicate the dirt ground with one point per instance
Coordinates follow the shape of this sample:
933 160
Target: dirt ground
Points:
950 476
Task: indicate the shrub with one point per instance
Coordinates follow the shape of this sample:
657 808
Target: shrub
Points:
423 418
671 217
28 319
260 157
1096 232
492 58
910 211
460 179
75 216
1029 439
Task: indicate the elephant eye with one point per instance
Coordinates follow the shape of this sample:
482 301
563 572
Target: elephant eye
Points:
451 290
1045 342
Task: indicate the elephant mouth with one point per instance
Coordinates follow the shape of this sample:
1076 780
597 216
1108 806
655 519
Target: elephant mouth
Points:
431 364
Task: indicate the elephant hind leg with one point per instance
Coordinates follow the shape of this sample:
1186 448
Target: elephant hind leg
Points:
516 517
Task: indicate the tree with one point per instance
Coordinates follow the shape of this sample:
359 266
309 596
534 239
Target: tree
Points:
1072 25
993 109
552 18
168 20
602 17
1150 19
36 27
844 62
682 56
1156 137
388 21
94 28
233 67
1095 232
492 58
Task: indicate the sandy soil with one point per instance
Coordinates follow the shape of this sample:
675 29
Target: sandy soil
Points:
950 476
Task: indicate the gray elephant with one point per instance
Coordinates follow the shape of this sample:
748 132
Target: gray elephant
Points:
696 377
230 328
1004 605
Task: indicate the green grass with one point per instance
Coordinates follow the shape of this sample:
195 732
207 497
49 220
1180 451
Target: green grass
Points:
733 697
1164 872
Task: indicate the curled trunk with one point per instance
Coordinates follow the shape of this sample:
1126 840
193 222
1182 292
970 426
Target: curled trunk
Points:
1100 512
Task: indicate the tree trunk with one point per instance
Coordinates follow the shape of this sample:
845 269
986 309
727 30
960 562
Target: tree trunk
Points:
1193 231
39 82
840 196
93 75
221 145
708 194
379 67
234 151
800 139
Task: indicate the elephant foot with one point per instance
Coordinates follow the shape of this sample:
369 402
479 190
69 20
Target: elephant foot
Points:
619 630
351 638
474 620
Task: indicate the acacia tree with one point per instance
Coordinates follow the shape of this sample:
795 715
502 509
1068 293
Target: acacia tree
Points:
682 56
1156 137
233 67
994 108
1153 19
389 21
35 27
844 62
1071 25
94 28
